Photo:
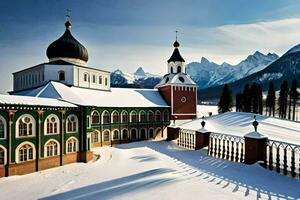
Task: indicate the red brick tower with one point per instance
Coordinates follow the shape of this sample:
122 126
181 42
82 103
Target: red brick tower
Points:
178 89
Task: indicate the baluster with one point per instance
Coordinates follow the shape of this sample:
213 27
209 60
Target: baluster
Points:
270 157
237 152
211 146
242 152
285 166
277 160
232 150
293 163
224 148
227 152
219 147
216 147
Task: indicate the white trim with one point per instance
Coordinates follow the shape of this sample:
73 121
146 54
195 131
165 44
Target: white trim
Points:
109 138
92 136
45 148
33 126
89 120
112 116
57 121
142 111
5 155
93 112
121 120
5 127
172 100
131 115
77 123
17 156
102 115
77 144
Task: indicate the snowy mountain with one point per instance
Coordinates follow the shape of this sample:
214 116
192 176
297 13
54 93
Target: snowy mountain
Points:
139 79
209 74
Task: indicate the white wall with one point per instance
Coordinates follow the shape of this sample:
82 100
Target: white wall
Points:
52 71
175 66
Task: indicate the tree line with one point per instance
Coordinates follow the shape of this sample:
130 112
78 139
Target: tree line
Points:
251 100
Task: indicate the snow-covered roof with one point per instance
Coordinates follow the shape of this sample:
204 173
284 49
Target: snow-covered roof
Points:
117 97
32 101
240 124
177 79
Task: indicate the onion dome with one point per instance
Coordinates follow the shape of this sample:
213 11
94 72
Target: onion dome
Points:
176 54
67 48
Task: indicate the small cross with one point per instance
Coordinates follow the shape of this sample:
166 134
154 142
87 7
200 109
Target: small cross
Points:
68 15
176 34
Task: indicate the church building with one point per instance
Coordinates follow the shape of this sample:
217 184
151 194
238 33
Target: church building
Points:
61 109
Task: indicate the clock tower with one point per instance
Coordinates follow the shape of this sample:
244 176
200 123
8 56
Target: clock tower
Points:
178 89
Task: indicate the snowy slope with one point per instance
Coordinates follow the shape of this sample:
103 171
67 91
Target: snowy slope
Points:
151 170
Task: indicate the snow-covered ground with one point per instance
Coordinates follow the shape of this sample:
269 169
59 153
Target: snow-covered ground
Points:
151 170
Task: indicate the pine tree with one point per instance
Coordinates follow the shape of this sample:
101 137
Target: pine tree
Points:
246 99
260 100
283 99
238 102
225 103
271 98
254 96
294 95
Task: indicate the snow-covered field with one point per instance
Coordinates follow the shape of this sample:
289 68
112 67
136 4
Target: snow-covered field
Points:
151 170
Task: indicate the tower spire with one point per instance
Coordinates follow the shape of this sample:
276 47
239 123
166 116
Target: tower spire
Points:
176 43
176 34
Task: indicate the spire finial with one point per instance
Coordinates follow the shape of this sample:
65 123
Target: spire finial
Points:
68 22
203 122
176 43
255 124
176 34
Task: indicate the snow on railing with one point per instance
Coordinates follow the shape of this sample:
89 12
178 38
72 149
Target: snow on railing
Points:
187 139
227 147
283 157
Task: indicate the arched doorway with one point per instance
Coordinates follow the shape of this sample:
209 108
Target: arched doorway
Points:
143 134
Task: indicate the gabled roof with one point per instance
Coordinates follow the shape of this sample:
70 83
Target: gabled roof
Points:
117 97
33 101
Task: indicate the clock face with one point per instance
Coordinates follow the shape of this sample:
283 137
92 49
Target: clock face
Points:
183 99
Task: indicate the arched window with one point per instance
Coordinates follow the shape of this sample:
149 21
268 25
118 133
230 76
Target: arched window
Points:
106 135
143 133
72 145
124 117
25 152
172 70
2 155
179 69
94 79
95 117
100 80
133 116
61 76
166 116
157 116
133 134
150 116
51 148
115 117
2 128
106 81
51 125
142 116
25 126
105 117
86 77
124 134
72 123
95 137
115 135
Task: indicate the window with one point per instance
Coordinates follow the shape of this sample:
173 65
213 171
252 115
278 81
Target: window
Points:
151 131
105 117
100 80
124 117
61 76
94 79
125 134
95 137
143 133
86 77
157 116
25 126
133 134
172 70
72 145
106 135
25 152
51 148
115 134
150 116
179 69
72 124
2 156
115 117
106 81
133 116
51 125
95 117
142 116
166 116
2 128
181 79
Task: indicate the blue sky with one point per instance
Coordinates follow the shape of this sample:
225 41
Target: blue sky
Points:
128 34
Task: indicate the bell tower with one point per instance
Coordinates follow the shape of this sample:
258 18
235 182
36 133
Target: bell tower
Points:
177 87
